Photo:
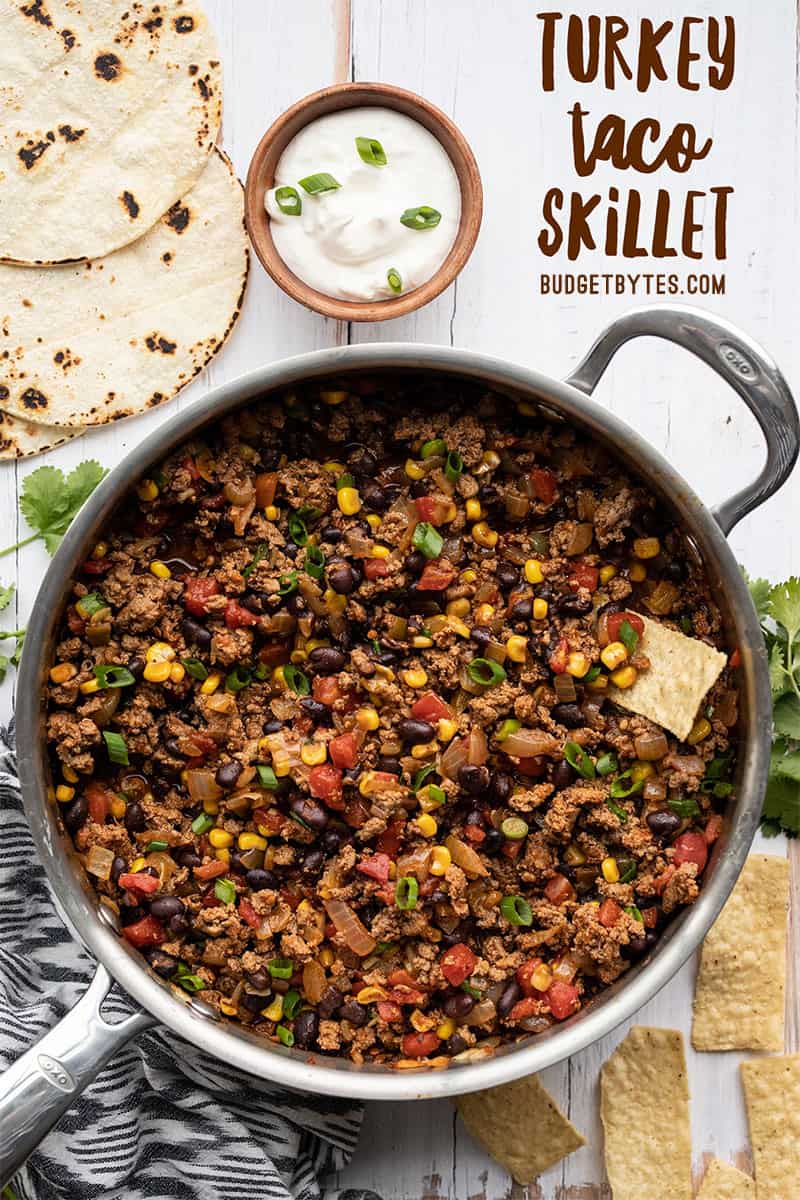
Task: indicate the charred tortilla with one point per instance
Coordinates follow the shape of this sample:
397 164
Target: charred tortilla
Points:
20 438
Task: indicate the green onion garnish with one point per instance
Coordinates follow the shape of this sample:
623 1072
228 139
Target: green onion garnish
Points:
625 785
592 674
634 912
476 993
113 677
87 606
296 680
280 968
511 725
427 539
189 982
315 562
297 529
454 466
577 758
433 447
117 750
202 824
317 185
685 808
606 764
617 810
423 217
516 910
266 776
394 279
288 201
486 672
291 1002
436 795
421 776
225 891
627 870
156 844
371 152
514 828
195 668
285 1036
261 552
238 678
406 892
345 481
628 636
288 583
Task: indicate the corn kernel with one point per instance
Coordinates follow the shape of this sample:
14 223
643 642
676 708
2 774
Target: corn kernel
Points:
517 648
699 731
278 678
421 643
313 753
574 856
414 470
420 1021
137 865
158 652
100 550
369 995
118 807
490 459
484 613
62 673
227 1009
647 547
334 468
468 576
474 510
281 763
424 750
210 685
613 655
64 794
427 802
610 870
274 1011
333 397
446 729
542 977
637 572
598 684
223 855
70 775
446 1029
147 490
326 957
374 521
251 841
272 512
415 677
533 571
380 551
157 672
384 672
458 608
177 673
365 782
577 664
450 513
298 656
458 627
211 807
335 602
607 573
160 570
427 825
440 860
527 409
89 687
625 677
367 719
220 839
540 608
348 500
484 536
640 771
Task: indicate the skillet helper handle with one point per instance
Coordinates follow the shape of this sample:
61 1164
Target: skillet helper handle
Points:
39 1087
738 360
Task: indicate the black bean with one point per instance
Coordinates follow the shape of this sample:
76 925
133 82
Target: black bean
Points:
331 1000
129 914
607 610
136 667
488 492
473 779
313 862
258 880
651 937
74 815
227 774
506 576
309 812
329 533
163 964
253 1002
635 948
522 609
502 786
353 1012
135 820
193 631
296 603
327 660
318 713
508 998
413 732
459 1004
568 714
415 562
563 774
118 866
352 773
481 636
574 605
172 747
376 498
272 727
455 1044
675 570
259 980
331 841
165 907
186 856
341 578
306 1028
390 765
419 488
493 842
387 658
179 926
663 823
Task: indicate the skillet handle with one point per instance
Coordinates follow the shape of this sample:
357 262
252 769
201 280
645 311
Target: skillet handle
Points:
738 360
39 1087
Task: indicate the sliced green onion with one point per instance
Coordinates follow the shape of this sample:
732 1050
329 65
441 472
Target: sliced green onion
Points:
315 562
261 552
427 539
514 828
722 790
280 968
476 993
156 844
434 447
685 808
344 481
195 668
628 636
507 728
617 810
113 677
297 529
423 217
577 758
421 776
238 678
202 824
88 605
394 279
406 893
687 626
117 750
288 583
634 912
225 891
291 1002
376 646
625 785
317 185
486 672
296 680
266 776
436 795
516 910
288 201
606 764
592 674
189 982
261 672
627 870
454 466
285 1036
371 152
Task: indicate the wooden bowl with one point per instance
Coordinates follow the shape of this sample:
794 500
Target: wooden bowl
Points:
261 174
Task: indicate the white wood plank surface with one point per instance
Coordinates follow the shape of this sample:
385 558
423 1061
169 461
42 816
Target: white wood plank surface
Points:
480 62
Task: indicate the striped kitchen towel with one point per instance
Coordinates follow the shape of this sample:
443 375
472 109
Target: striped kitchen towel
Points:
163 1120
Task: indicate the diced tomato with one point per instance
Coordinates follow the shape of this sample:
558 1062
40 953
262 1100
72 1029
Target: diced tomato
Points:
190 466
431 707
99 799
375 568
210 870
691 847
558 657
139 882
405 989
239 617
512 849
559 889
583 575
525 974
457 964
76 623
420 1045
96 566
437 576
376 867
268 821
661 881
401 978
356 812
325 782
290 897
277 654
616 620
713 829
266 485
474 834
344 750
544 484
533 767
609 913
735 659
202 743
386 894
197 592
325 688
389 1012
562 998
248 913
650 917
389 840
147 932
529 1007
430 509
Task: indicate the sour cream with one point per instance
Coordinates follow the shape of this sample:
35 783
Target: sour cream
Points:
349 241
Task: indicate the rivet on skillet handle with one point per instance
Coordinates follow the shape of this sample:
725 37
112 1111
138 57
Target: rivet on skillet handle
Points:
39 1087
738 360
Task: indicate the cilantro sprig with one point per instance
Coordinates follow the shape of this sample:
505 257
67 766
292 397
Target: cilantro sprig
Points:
50 499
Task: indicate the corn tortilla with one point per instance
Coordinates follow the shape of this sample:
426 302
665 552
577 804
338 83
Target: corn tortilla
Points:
724 1182
682 669
20 438
646 1078
772 1098
521 1126
741 984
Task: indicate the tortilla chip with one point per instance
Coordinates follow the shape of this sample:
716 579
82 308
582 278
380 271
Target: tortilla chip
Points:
724 1182
644 1107
739 997
772 1097
520 1126
682 669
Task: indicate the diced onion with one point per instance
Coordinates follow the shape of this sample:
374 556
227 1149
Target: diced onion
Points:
580 539
464 856
527 743
663 598
240 494
650 747
564 686
483 1012
687 764
357 936
454 757
417 863
477 749
314 981
99 862
201 786
654 790
517 506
